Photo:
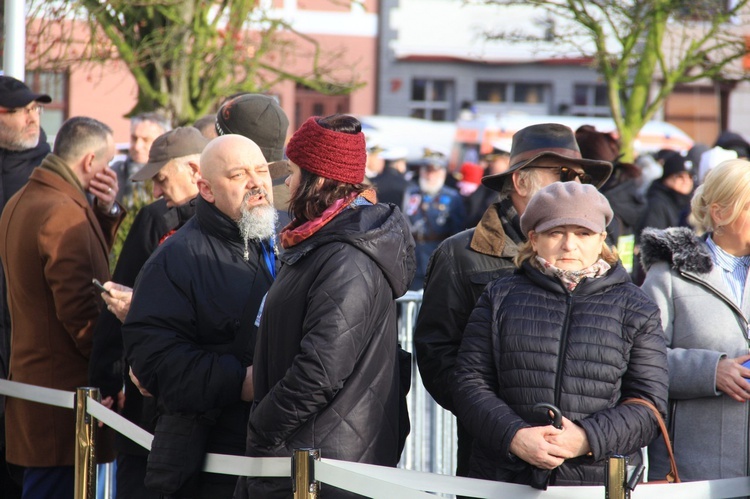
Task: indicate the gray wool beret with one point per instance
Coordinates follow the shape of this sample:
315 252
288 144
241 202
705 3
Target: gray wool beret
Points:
567 203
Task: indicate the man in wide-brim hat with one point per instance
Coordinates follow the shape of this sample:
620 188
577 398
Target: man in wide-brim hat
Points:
463 264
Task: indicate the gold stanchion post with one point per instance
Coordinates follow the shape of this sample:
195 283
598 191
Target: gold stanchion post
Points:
303 473
616 478
85 462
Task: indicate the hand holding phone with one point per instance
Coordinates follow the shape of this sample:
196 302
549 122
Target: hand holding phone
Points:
101 287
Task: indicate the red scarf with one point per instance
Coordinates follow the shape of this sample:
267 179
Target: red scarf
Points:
295 233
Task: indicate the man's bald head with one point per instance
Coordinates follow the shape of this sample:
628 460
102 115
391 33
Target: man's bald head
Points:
231 167
228 149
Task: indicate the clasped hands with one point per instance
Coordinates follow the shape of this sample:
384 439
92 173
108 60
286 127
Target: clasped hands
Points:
546 447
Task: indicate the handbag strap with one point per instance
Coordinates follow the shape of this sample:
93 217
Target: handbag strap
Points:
672 476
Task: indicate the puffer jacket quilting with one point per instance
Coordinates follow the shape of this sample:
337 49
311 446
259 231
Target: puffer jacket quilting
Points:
332 382
605 341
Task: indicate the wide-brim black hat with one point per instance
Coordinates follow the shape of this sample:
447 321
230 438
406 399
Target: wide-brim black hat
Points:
553 140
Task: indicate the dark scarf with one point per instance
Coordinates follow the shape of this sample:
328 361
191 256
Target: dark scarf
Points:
511 220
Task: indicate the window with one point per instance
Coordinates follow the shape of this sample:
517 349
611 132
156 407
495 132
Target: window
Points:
529 93
491 91
432 99
56 86
702 10
590 100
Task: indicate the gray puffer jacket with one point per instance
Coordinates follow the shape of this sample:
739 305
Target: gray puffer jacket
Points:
529 340
702 325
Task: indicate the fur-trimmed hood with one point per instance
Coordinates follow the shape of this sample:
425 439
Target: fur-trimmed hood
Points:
678 246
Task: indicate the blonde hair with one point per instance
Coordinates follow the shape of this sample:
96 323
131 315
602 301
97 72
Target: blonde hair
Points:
727 186
526 251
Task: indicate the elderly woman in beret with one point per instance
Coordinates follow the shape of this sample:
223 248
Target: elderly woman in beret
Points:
568 328
325 368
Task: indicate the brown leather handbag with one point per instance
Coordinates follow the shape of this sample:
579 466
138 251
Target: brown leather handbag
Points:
672 476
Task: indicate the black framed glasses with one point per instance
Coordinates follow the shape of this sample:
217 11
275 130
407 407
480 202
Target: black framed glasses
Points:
33 108
568 174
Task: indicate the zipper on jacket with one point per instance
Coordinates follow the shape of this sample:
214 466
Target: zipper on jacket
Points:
563 348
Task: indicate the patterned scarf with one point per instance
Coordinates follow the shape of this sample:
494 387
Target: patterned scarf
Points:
295 233
571 278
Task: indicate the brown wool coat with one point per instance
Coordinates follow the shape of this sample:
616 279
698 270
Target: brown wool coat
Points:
52 243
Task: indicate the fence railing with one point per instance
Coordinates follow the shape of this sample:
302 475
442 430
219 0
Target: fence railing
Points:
431 445
425 469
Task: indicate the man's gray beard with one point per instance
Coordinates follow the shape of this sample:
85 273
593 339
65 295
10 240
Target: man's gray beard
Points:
430 188
258 223
19 144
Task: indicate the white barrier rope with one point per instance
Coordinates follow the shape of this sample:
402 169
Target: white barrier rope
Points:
215 463
366 484
444 484
32 393
379 481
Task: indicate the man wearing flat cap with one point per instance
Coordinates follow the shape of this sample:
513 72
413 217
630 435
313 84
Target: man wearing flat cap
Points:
23 145
463 264
174 167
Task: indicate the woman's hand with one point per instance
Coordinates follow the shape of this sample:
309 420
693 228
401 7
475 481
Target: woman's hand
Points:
118 299
572 438
533 446
731 380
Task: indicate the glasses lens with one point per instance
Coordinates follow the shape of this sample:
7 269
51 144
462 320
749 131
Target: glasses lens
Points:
586 178
569 175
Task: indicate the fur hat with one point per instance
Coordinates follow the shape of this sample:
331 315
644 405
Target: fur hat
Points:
567 203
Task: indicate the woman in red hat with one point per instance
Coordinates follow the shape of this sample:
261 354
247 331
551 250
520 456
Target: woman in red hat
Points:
325 368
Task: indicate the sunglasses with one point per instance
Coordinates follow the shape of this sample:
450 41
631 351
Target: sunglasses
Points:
568 174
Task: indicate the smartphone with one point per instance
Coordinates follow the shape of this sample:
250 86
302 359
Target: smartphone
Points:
101 287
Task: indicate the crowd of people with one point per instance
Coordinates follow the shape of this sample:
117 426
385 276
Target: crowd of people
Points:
252 308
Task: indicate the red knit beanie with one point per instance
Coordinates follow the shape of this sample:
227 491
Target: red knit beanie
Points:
330 154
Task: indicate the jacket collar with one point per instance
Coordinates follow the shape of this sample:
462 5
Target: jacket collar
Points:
52 179
496 235
678 246
216 222
688 255
56 164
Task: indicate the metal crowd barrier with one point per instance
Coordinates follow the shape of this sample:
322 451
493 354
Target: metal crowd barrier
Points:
313 471
425 469
432 443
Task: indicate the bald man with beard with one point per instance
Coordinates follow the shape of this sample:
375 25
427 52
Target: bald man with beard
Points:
190 332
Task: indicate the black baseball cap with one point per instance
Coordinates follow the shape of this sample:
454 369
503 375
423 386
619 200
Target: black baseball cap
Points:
15 93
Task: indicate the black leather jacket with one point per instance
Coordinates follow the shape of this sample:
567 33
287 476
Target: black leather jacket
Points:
457 274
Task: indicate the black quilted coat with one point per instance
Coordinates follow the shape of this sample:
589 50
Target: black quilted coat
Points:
529 340
325 371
